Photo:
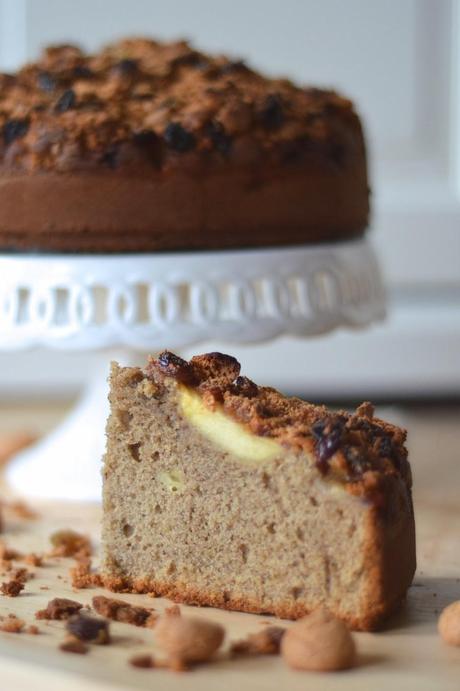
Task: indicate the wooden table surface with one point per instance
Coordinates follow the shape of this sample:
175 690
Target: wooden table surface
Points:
407 655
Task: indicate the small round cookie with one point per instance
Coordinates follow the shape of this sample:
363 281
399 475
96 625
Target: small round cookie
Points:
319 643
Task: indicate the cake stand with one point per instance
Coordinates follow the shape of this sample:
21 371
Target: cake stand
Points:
124 305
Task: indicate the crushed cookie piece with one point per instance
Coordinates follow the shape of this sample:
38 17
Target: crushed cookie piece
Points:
69 543
22 510
88 628
366 409
12 624
82 576
174 610
9 554
12 588
71 644
142 661
118 610
22 575
58 609
33 630
34 559
266 642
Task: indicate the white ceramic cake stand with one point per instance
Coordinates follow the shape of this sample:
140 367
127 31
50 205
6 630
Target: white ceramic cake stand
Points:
126 304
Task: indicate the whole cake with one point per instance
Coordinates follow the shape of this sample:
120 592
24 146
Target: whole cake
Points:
157 146
221 492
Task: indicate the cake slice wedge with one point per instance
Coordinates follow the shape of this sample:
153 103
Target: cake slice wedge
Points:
224 493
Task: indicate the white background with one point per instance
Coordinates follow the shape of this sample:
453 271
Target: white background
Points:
400 62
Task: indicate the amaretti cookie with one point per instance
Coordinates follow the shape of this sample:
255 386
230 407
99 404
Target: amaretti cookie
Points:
221 492
150 146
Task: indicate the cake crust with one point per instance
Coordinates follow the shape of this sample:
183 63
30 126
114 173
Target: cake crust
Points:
360 559
102 146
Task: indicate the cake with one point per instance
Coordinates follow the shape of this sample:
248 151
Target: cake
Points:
224 493
149 146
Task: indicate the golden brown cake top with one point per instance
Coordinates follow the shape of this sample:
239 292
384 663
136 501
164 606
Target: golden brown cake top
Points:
356 448
141 104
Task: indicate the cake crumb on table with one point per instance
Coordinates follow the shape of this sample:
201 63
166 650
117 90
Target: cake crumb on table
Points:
73 645
8 553
12 588
174 610
34 559
11 624
122 611
142 661
22 510
22 575
266 642
32 629
82 576
58 609
69 543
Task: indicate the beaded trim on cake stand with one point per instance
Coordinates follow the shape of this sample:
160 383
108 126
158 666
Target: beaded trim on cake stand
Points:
139 303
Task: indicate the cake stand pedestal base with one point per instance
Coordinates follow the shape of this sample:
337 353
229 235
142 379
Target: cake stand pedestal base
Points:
66 463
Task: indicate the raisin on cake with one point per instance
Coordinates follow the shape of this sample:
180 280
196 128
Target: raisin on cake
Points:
157 146
221 492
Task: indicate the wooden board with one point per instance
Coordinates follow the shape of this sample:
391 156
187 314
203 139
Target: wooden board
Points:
408 654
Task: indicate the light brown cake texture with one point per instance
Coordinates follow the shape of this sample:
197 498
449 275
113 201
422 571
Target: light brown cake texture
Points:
158 146
327 521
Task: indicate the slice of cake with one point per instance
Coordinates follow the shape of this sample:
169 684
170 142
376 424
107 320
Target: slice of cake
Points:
221 492
147 146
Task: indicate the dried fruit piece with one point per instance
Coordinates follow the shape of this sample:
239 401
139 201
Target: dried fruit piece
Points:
46 81
218 136
15 129
66 101
178 138
127 67
271 114
87 628
328 434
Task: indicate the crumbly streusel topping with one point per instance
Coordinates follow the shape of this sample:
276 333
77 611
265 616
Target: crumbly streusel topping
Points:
140 104
356 448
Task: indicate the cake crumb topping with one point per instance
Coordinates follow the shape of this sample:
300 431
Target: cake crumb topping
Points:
355 448
141 103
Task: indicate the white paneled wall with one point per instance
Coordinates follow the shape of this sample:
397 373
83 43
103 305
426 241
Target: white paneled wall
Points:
400 61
